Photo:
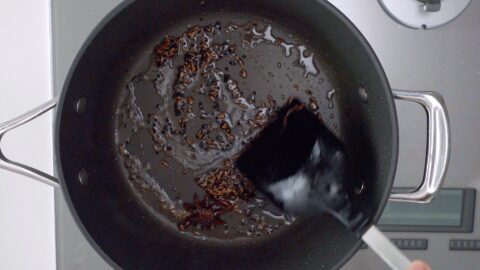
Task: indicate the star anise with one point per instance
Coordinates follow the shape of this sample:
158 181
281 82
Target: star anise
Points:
205 213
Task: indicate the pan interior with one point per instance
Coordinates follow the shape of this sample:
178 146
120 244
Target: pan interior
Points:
128 222
230 98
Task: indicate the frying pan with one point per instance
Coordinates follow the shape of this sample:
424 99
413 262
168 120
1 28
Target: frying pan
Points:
95 184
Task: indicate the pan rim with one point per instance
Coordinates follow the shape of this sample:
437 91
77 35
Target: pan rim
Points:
393 119
58 119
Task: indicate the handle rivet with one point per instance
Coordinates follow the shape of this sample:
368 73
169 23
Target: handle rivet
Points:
359 188
81 105
83 177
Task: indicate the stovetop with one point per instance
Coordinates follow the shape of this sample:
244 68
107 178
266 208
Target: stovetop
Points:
445 59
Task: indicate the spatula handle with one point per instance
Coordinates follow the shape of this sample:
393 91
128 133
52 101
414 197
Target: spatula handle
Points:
385 249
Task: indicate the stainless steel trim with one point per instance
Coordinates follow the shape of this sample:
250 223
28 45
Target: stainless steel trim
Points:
385 249
19 168
438 150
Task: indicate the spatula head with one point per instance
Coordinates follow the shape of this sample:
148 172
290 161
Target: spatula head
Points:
299 164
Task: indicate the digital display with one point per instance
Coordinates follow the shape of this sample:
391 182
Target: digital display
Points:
452 210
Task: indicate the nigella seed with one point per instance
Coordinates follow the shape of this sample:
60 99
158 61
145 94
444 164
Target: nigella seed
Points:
226 78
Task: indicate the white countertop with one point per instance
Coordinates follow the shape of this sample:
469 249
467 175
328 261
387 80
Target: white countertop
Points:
27 231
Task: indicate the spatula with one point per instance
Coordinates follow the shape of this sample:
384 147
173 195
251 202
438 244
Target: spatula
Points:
297 162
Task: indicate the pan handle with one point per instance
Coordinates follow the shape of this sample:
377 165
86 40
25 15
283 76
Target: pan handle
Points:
438 150
19 168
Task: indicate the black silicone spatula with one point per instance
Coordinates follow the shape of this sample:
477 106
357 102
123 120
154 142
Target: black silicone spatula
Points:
300 165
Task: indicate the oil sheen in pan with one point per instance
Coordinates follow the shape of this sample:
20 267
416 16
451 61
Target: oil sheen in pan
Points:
176 130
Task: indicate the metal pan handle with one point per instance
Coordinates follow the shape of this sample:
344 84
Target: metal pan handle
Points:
19 168
438 150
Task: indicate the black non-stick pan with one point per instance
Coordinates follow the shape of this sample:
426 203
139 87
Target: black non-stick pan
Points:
133 185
